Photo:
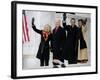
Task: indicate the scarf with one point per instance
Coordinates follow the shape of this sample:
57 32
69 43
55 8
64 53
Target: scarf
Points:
45 35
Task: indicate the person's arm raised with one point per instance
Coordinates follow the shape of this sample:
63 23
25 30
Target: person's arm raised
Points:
65 26
34 27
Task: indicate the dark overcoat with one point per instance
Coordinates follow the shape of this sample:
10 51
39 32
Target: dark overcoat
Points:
57 43
82 41
44 45
71 43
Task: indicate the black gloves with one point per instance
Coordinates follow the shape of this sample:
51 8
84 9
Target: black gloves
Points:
64 16
33 21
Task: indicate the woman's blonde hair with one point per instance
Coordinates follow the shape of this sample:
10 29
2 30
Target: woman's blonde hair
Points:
47 28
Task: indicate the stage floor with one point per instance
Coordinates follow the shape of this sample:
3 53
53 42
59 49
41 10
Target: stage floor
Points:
31 62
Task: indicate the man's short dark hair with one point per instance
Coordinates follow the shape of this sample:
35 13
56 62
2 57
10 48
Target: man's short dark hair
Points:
80 20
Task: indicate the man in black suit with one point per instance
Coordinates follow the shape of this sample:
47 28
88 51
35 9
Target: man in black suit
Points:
71 43
57 43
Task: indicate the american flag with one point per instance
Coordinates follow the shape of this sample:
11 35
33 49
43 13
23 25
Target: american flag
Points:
25 28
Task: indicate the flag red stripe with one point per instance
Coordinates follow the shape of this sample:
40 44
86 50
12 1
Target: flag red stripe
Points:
23 30
26 28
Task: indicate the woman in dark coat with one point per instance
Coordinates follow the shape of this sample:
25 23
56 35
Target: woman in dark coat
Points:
43 51
83 46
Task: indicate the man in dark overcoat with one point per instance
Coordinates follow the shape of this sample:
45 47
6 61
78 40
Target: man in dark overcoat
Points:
57 42
71 43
